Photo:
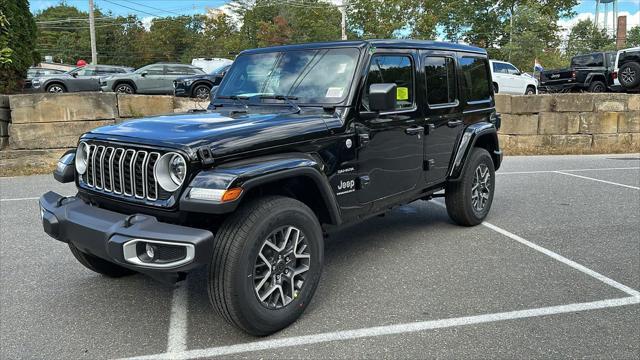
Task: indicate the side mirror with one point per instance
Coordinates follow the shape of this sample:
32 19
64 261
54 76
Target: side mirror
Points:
75 75
143 74
382 97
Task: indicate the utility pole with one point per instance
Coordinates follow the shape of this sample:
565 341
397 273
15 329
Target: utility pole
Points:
92 34
343 10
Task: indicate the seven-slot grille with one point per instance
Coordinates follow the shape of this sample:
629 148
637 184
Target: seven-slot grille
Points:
123 171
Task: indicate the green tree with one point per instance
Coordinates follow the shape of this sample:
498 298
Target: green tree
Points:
17 43
633 37
586 37
381 18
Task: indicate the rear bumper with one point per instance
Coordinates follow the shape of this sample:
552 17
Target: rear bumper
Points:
111 235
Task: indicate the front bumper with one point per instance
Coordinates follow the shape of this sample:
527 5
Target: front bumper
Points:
181 89
108 234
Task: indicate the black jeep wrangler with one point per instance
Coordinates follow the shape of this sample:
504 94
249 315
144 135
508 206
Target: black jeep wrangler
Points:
298 140
589 72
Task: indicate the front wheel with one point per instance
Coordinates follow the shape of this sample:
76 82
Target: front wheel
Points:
201 92
469 199
530 90
125 89
266 264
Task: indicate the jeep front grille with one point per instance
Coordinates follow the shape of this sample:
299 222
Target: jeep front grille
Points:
122 171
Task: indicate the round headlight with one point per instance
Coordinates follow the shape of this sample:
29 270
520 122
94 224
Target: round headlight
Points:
82 156
170 171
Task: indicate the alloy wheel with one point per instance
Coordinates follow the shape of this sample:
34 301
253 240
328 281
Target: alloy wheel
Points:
628 76
202 93
280 267
124 89
481 188
56 89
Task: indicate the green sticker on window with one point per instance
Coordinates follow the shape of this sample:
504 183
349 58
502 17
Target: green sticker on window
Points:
402 93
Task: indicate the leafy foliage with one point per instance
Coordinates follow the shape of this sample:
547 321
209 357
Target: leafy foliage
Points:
17 41
586 37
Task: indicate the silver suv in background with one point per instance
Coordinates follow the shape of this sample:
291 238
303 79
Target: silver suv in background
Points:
85 78
151 79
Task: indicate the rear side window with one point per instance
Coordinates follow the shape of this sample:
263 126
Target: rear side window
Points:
590 60
177 70
440 78
475 78
396 69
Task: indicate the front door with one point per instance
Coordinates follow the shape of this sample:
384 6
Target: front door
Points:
443 112
390 144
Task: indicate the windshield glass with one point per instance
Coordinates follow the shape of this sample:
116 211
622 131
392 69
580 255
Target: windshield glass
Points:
317 76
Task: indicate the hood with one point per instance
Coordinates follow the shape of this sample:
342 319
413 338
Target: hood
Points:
224 133
197 77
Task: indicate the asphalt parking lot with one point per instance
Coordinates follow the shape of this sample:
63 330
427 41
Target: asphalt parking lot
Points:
553 273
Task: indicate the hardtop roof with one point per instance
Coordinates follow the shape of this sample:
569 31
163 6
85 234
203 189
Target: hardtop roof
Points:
378 43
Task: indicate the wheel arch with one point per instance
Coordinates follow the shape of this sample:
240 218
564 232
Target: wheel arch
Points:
483 135
294 175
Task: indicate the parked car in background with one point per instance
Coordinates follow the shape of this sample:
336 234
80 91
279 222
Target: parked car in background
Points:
589 72
507 79
34 72
199 86
627 69
209 65
85 78
151 79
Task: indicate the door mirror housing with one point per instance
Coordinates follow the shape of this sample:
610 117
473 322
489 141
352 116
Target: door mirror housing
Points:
382 97
143 74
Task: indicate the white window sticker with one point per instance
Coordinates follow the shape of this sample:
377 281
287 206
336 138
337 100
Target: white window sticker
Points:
334 92
342 68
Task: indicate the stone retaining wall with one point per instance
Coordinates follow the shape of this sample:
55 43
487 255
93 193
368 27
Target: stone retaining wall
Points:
34 125
570 123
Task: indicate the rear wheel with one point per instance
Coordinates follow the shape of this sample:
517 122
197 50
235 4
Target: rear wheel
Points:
469 199
629 75
266 264
98 265
597 87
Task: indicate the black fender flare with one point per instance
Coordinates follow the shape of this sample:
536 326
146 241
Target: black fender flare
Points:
472 133
595 75
256 172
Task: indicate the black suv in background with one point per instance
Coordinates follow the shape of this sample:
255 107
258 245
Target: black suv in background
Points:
589 72
199 86
298 140
628 68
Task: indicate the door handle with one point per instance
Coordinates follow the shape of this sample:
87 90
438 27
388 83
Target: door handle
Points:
415 130
454 123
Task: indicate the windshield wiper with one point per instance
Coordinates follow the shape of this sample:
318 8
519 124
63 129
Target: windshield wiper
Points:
236 99
286 98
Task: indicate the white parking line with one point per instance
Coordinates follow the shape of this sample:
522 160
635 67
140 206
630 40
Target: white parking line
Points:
20 199
571 170
391 329
177 337
602 181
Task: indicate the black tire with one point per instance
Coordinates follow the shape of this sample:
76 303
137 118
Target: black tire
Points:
495 88
238 242
629 75
124 88
597 86
56 88
458 195
98 265
530 90
201 92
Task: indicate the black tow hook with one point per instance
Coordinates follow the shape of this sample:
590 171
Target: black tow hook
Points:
130 220
60 201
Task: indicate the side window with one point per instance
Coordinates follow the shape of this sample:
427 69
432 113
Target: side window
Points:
497 67
177 70
511 70
440 78
155 70
396 69
475 78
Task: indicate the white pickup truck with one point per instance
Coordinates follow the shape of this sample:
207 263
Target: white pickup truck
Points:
507 79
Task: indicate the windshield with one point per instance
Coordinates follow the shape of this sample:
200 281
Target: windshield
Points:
318 76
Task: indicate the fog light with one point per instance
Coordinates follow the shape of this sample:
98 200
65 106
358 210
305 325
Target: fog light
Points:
151 251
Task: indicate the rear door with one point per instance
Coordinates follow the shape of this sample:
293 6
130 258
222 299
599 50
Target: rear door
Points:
443 112
501 77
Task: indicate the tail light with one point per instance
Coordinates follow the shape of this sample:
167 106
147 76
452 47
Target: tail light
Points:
573 74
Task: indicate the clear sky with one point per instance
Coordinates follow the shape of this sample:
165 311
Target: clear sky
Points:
148 8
